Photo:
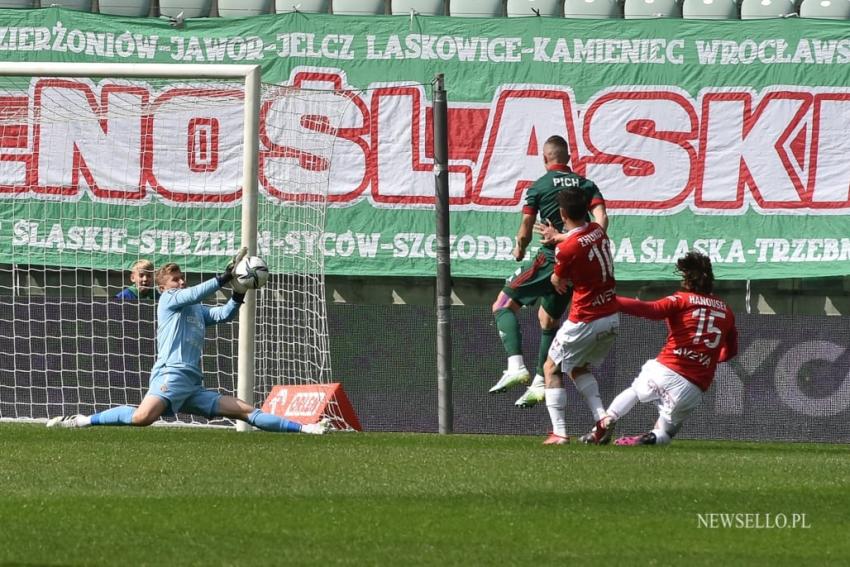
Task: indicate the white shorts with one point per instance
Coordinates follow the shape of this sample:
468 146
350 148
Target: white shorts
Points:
578 344
675 396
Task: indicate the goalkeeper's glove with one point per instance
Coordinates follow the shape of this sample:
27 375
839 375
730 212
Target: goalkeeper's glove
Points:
227 275
238 298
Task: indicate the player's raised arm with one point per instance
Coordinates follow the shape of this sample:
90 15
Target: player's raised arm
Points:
523 237
600 214
179 297
228 311
224 313
656 310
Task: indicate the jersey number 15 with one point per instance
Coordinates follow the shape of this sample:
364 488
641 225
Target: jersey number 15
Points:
707 331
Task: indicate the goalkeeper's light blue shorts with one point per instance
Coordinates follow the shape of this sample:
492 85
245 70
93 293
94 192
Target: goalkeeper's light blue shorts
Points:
184 392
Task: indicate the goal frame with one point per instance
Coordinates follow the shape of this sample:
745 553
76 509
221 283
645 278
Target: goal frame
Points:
251 76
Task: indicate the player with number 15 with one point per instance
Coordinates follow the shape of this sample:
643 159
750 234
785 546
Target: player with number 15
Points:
702 333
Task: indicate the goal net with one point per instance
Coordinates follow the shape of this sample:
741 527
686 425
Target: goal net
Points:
99 173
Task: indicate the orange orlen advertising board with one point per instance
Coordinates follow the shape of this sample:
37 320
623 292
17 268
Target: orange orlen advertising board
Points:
308 403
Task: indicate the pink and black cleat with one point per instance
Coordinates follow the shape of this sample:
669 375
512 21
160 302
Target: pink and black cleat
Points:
645 439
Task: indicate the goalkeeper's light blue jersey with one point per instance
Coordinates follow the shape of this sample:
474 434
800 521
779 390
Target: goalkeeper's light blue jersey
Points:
182 321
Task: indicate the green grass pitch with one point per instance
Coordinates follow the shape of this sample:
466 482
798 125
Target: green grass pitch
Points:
157 496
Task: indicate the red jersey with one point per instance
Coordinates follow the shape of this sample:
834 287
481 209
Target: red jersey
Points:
701 333
584 258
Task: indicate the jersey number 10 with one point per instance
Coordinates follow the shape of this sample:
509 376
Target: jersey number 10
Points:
603 255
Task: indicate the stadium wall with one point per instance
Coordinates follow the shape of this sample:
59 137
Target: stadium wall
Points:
790 382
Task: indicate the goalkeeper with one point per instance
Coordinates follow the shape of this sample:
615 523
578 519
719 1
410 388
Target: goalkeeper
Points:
176 383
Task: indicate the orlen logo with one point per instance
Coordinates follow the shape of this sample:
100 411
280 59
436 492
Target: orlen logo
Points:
305 404
278 401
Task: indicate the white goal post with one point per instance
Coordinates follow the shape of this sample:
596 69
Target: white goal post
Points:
278 313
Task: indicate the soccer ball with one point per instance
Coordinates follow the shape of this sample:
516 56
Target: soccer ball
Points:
251 273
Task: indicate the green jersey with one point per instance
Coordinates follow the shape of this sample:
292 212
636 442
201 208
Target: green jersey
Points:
541 199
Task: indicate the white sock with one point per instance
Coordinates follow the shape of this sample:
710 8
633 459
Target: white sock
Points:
661 437
538 381
664 431
83 420
556 403
515 362
623 403
588 387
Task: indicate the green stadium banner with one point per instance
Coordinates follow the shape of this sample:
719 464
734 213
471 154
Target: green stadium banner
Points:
727 137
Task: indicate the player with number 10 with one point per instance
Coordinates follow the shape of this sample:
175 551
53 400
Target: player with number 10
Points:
583 259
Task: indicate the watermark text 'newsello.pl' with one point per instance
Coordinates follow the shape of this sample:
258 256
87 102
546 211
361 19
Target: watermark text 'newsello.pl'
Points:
753 520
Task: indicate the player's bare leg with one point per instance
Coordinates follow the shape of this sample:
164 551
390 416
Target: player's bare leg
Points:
150 410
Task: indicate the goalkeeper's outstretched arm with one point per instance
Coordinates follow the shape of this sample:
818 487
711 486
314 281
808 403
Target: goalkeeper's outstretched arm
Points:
224 313
179 297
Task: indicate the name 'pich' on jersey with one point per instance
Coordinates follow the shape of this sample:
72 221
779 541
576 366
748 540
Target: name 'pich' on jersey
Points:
565 181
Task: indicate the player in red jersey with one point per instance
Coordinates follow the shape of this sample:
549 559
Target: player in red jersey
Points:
701 333
583 259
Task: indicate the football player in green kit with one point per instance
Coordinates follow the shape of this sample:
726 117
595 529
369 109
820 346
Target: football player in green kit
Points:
532 280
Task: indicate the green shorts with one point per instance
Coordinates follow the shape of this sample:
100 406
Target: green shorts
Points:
532 282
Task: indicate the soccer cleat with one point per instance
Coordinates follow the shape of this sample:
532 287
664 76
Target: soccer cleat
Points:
601 433
64 421
319 428
532 396
555 439
509 379
645 439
